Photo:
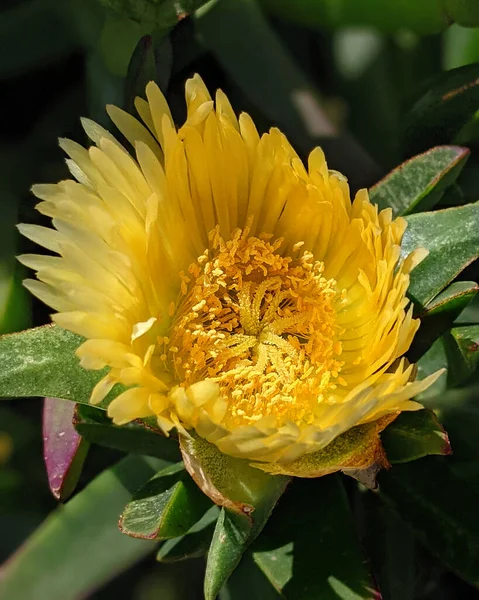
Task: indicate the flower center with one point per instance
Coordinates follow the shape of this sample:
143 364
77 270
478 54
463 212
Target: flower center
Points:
261 325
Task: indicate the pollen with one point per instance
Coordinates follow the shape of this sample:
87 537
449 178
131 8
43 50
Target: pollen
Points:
261 325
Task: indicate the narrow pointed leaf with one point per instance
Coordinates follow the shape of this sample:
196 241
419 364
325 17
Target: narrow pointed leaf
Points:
194 543
452 238
136 437
441 113
249 496
232 536
441 508
165 507
309 549
419 183
64 450
42 362
453 300
414 435
79 547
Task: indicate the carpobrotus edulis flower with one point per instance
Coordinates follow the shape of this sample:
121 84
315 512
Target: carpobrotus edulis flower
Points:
234 291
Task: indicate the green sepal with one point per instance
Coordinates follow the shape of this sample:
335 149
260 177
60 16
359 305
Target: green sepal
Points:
136 437
165 507
358 452
413 435
247 496
419 183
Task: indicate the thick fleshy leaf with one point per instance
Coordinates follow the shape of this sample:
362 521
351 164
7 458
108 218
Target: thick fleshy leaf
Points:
440 114
79 547
453 300
414 435
419 183
249 496
467 340
309 549
150 61
64 450
431 362
248 581
42 362
452 238
390 547
229 482
136 437
357 452
165 507
194 543
440 507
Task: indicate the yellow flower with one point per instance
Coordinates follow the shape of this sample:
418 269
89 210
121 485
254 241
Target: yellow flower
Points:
234 291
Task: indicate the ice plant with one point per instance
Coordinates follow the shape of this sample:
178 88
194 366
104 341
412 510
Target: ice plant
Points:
231 289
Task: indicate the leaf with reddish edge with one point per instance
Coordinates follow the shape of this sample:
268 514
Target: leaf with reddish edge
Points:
357 453
247 496
453 300
166 507
441 113
64 450
452 238
420 182
414 435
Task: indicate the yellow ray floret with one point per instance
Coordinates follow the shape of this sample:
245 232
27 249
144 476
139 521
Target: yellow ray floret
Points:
232 290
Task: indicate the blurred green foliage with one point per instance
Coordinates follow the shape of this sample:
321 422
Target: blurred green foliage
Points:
366 79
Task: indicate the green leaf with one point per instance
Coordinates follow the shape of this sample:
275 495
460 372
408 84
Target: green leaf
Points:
419 183
425 17
249 496
440 114
309 548
453 300
390 547
151 61
467 340
452 238
194 543
42 362
135 437
165 507
79 547
464 12
433 360
441 508
413 435
248 581
64 451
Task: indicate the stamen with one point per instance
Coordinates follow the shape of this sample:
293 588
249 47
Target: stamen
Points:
259 324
